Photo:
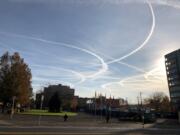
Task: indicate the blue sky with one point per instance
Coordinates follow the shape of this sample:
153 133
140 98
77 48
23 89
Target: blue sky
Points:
113 47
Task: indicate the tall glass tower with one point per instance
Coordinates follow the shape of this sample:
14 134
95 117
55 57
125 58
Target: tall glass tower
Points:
172 62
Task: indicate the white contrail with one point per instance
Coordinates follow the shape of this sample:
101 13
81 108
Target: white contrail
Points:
108 77
137 49
145 41
119 82
131 66
145 75
170 3
120 62
116 78
49 82
104 66
104 86
150 73
4 46
131 77
134 51
82 78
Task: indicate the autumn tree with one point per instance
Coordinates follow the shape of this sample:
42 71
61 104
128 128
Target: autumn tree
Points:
15 79
158 101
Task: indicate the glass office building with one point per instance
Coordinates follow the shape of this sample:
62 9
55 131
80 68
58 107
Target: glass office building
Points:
172 62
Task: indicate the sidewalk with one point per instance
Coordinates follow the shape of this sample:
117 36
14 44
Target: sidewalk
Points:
82 120
5 123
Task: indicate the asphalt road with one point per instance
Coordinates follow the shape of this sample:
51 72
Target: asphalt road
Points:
83 124
68 130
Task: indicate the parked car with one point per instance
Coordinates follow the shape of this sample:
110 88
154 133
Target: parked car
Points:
149 117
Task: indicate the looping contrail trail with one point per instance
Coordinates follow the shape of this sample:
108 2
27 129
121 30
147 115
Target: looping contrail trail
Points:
136 50
145 41
120 62
104 66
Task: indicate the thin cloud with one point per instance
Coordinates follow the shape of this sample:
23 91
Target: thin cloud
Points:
104 66
77 74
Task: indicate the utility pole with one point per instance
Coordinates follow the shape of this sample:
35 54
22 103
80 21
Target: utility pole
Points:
110 108
141 98
101 105
91 106
138 100
89 103
42 99
127 101
95 105
142 113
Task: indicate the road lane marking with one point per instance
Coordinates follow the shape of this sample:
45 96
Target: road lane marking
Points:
51 133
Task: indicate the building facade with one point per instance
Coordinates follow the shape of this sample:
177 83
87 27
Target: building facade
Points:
66 94
38 101
172 62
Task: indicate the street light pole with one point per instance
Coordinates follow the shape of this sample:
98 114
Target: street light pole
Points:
42 99
12 108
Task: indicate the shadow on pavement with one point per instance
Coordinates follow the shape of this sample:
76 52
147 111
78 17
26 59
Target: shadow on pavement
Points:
148 132
166 124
